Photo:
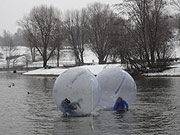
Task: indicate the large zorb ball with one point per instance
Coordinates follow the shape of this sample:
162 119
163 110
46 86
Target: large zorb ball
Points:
114 83
78 85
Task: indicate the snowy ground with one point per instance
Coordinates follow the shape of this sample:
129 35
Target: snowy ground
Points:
67 59
95 69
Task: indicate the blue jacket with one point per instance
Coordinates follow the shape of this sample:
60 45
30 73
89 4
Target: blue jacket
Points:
121 106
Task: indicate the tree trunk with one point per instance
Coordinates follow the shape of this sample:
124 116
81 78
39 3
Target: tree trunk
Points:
45 58
44 63
82 59
58 55
33 53
8 64
101 60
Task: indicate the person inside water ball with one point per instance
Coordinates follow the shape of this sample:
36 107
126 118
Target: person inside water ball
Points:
70 107
120 105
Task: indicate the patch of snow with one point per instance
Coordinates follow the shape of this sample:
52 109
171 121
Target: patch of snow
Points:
95 69
42 71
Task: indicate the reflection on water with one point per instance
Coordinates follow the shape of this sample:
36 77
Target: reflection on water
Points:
73 126
155 111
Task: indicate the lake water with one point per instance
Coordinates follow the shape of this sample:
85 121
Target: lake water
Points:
155 111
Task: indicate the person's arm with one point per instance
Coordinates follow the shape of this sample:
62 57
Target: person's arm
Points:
78 105
63 107
72 106
115 106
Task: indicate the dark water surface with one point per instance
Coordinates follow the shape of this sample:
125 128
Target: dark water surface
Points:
155 111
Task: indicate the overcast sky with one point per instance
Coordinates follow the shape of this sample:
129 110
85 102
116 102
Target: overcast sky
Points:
13 10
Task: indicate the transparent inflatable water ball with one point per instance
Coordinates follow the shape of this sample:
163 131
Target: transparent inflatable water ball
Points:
76 92
115 83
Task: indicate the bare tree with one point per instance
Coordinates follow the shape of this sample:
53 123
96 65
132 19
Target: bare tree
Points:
75 23
18 38
100 24
8 46
176 3
31 42
59 40
42 26
118 41
1 56
13 59
150 33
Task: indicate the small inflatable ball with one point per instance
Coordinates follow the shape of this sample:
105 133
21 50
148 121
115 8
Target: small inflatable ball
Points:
76 92
114 83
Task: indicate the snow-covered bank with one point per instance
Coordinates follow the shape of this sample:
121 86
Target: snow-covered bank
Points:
173 72
95 69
